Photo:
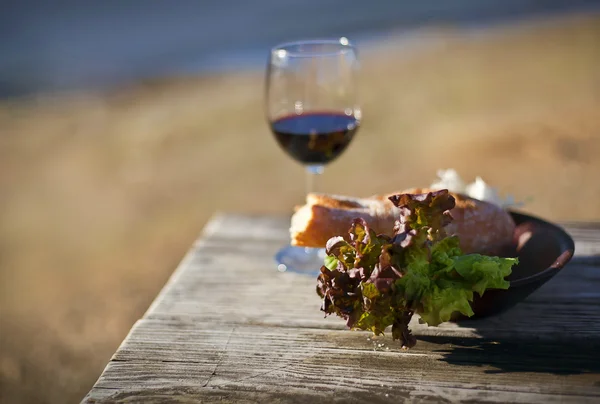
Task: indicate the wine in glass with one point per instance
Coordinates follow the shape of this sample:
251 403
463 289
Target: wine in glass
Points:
313 112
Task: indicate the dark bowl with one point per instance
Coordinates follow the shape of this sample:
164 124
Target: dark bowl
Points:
543 249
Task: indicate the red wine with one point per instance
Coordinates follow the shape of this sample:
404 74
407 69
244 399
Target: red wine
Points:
315 138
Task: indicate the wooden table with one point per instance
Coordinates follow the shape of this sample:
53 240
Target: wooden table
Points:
229 327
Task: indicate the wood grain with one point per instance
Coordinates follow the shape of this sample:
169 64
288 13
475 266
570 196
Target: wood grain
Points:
229 327
163 355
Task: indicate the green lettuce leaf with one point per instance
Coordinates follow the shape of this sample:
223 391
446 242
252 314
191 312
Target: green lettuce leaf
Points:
331 262
484 272
439 303
444 284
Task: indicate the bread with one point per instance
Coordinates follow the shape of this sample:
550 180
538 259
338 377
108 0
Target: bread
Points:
325 216
482 227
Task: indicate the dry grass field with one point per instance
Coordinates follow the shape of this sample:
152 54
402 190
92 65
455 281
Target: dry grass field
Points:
101 194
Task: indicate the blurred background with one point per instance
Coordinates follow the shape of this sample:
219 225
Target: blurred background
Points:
125 125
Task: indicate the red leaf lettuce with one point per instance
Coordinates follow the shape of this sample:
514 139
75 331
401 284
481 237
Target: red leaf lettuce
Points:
374 281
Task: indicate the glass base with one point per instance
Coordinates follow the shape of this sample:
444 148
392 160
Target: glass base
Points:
303 260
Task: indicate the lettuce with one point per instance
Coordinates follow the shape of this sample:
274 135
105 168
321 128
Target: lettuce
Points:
374 281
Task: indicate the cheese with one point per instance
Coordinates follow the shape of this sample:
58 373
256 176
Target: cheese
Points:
449 179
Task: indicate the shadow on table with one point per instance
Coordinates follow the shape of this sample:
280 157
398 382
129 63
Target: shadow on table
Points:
507 356
572 354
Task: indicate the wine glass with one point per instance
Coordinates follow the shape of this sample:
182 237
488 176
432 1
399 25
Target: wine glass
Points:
313 112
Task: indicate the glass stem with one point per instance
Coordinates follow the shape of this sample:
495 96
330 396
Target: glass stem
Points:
312 171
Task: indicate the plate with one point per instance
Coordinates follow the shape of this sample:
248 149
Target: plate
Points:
543 249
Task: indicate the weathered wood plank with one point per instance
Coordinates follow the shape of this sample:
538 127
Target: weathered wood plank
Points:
229 327
164 355
417 394
587 239
566 322
236 253
230 226
238 283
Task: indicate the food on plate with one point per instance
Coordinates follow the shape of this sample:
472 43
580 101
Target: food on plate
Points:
375 281
324 216
482 227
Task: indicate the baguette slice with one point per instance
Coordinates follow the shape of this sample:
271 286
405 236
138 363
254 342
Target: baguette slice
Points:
325 216
482 227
